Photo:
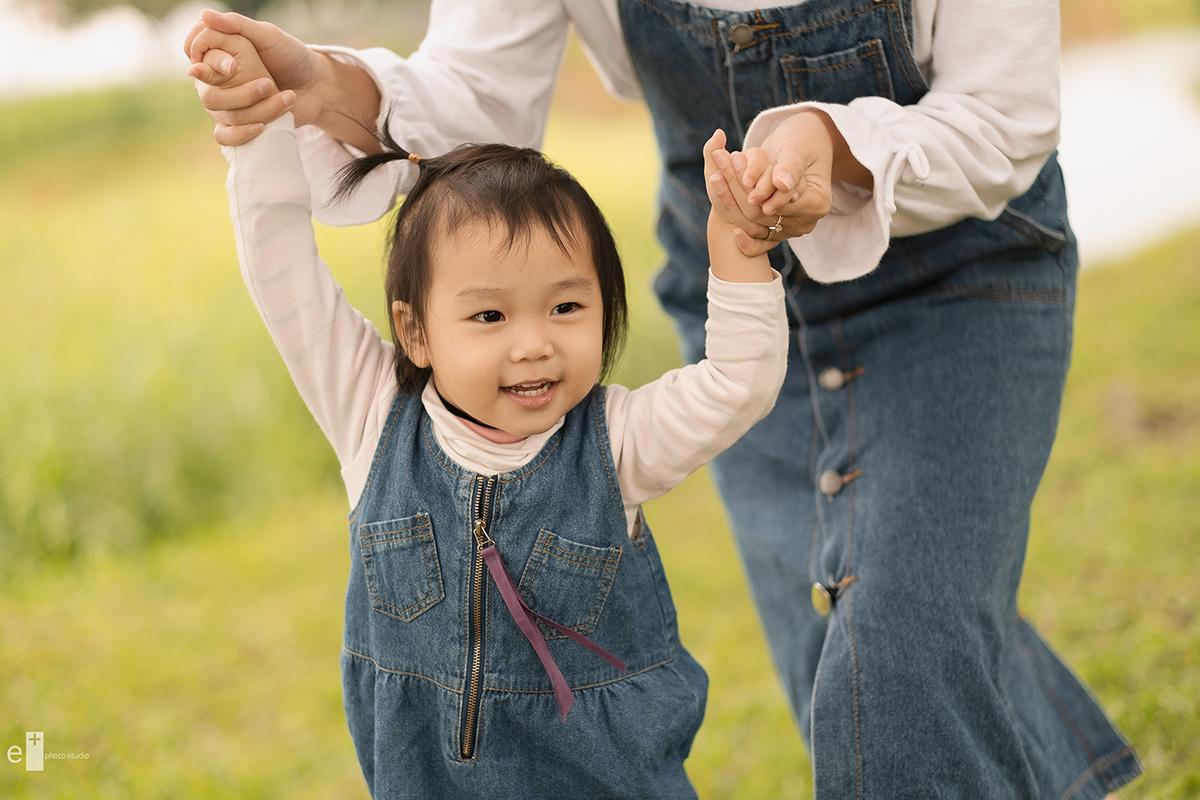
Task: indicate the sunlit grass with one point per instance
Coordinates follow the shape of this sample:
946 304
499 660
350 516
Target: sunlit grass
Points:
141 398
1113 575
203 667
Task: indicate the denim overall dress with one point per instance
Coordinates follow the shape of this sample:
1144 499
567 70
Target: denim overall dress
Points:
444 696
882 509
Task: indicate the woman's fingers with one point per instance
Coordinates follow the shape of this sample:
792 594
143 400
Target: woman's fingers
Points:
223 100
260 113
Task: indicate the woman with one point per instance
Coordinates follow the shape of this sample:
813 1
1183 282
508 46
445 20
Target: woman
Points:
882 509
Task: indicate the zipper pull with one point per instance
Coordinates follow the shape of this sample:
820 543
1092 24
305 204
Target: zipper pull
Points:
481 534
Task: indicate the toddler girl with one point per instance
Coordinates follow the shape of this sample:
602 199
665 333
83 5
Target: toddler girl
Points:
501 571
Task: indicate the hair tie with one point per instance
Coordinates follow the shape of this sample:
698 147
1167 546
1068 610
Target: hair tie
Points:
414 158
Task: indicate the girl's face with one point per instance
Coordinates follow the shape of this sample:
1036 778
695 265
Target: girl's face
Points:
514 335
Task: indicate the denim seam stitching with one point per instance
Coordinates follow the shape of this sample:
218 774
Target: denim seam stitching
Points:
1066 715
877 63
456 471
529 469
604 459
902 51
857 723
365 536
543 546
425 602
849 562
382 668
598 684
823 23
875 49
1124 751
537 566
610 574
375 464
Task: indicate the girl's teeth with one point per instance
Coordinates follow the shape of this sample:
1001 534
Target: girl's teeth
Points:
530 389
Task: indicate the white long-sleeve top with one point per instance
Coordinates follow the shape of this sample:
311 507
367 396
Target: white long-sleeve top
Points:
660 432
486 72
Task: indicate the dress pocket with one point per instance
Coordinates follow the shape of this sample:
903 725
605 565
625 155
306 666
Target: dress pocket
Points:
568 581
400 559
859 71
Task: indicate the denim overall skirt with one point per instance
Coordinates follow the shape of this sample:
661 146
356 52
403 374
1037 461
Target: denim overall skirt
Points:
445 697
882 509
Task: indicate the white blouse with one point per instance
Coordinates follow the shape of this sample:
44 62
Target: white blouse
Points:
486 72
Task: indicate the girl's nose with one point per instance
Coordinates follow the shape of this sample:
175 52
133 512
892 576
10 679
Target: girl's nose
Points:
531 344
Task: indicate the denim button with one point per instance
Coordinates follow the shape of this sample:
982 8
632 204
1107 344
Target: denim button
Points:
831 483
831 379
821 601
741 34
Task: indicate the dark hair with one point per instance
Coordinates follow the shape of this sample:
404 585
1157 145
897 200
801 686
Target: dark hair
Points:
496 183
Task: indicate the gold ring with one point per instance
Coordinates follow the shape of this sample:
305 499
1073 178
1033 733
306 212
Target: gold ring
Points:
776 228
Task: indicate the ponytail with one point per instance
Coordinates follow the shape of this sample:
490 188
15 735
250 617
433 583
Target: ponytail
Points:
354 173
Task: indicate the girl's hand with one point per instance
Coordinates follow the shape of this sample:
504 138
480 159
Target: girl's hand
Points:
241 108
230 63
729 245
728 196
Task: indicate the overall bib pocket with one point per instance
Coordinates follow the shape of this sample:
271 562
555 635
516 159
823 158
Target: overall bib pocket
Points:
568 582
400 560
825 78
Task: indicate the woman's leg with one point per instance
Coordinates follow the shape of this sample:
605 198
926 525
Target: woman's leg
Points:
907 483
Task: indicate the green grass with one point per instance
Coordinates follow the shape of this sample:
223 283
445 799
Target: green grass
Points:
142 399
172 551
1113 575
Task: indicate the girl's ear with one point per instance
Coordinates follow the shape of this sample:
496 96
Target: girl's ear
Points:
408 331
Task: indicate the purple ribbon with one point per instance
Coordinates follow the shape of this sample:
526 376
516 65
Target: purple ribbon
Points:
523 615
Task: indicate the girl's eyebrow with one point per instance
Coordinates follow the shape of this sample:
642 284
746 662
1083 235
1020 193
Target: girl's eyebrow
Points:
577 283
478 294
483 294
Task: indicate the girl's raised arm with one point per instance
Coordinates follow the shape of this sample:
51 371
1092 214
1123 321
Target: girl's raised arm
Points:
337 359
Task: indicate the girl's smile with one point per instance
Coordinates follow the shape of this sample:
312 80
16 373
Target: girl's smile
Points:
531 396
513 330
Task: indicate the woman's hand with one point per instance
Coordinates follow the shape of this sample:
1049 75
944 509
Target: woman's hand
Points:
240 111
790 178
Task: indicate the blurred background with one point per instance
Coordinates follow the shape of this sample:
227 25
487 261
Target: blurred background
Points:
172 540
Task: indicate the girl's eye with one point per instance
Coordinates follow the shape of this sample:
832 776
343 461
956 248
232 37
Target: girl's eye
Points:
565 308
489 316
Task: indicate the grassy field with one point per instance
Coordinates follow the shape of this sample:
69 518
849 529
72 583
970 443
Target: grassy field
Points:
172 551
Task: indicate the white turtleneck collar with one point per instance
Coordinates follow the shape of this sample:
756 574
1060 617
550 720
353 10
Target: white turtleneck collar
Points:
472 451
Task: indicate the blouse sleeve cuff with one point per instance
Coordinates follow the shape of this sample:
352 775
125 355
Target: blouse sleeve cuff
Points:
850 241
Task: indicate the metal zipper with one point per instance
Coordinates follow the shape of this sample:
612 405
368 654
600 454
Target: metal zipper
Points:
470 713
